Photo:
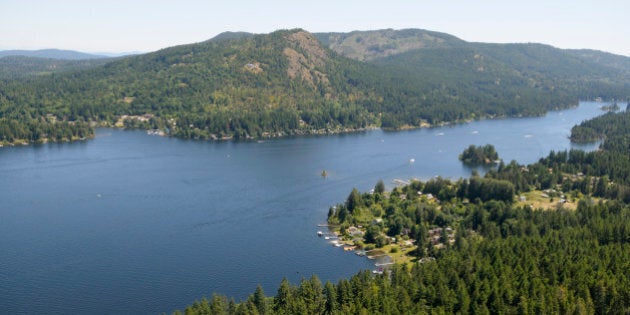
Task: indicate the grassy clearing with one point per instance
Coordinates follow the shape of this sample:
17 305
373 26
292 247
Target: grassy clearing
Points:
538 199
400 254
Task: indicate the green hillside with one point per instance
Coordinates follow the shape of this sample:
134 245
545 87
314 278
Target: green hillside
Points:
527 58
466 80
606 59
265 85
244 86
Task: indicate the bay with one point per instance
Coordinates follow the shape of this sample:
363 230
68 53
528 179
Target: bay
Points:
132 223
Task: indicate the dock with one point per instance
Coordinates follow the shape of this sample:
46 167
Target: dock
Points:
400 182
375 256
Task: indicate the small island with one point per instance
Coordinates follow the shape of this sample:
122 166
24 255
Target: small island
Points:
479 155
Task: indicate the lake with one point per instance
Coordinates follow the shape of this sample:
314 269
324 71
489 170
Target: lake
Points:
132 223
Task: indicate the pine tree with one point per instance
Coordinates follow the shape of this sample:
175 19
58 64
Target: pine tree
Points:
283 297
380 187
259 300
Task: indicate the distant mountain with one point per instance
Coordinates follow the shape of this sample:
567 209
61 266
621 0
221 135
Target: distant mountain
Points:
370 45
241 85
231 36
430 59
15 67
603 58
381 44
51 53
119 54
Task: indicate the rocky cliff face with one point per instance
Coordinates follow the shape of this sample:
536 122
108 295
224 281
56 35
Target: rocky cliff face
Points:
306 58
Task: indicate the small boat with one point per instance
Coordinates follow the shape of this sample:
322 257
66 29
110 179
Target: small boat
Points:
320 233
324 173
412 160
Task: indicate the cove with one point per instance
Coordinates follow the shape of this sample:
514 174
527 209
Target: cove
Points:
132 223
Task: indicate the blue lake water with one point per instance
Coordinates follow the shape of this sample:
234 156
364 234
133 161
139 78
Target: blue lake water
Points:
131 223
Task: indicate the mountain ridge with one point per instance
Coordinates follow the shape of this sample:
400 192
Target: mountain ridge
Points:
52 53
370 45
16 67
241 85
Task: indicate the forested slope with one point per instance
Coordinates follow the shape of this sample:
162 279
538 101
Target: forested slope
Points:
244 86
265 85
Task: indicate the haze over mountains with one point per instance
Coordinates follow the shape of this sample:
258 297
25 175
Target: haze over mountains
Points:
243 85
23 63
64 54
51 53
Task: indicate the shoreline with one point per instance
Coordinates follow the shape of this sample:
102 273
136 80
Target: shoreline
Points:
281 134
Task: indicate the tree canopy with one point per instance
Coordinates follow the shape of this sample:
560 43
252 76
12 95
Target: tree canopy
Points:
479 155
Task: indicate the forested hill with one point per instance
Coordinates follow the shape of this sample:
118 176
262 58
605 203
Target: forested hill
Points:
528 58
240 85
265 85
371 45
604 58
440 62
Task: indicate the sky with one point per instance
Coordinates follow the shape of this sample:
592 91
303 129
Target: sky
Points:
149 25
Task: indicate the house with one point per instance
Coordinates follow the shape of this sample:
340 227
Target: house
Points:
435 239
435 231
354 231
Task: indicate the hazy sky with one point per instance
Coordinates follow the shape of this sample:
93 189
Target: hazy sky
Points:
147 25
